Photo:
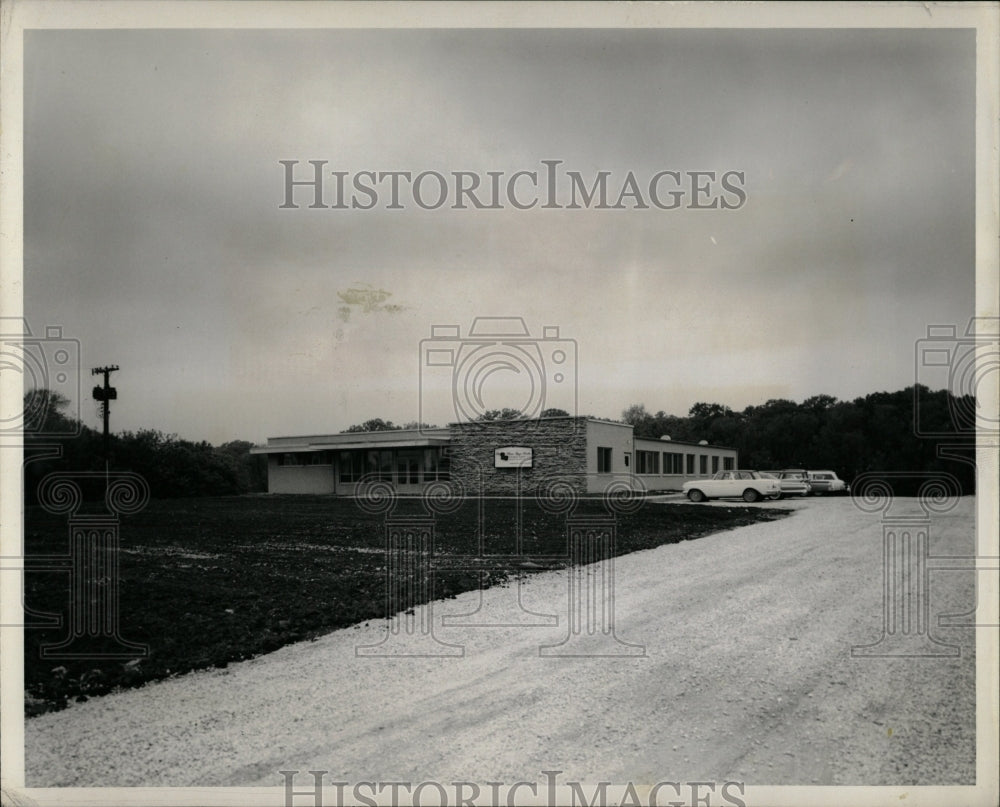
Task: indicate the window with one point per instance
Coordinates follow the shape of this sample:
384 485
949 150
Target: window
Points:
673 462
647 462
715 464
703 464
385 465
690 463
304 458
728 463
352 465
603 460
435 465
407 467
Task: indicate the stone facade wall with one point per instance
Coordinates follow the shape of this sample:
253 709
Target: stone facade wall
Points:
559 448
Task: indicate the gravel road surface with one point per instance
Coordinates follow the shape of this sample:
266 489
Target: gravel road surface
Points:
747 675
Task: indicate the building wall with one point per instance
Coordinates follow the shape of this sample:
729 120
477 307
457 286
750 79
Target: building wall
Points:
299 478
617 437
664 478
590 454
559 447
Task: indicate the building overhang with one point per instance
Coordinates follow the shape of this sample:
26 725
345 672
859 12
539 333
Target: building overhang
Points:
418 442
423 442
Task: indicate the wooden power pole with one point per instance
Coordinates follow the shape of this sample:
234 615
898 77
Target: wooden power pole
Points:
105 394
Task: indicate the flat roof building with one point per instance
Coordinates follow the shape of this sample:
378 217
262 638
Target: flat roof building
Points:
494 457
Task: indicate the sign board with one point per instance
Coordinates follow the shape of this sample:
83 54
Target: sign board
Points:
512 457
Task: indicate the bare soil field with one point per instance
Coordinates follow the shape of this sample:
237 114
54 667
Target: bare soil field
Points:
206 582
731 660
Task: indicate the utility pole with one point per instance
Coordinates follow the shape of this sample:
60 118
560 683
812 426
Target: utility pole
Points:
105 394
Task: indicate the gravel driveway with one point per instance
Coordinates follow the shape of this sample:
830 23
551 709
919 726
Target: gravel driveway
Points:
747 675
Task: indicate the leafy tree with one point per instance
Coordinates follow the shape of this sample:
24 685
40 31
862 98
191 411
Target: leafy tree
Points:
171 466
502 414
819 403
44 413
373 425
677 428
640 420
634 414
250 470
708 411
879 432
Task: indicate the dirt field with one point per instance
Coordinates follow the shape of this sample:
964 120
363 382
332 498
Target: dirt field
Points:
731 660
206 582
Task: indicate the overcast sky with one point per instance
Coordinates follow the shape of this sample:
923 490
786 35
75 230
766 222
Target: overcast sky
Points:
154 234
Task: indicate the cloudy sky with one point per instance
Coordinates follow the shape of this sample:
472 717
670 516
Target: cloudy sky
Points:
154 232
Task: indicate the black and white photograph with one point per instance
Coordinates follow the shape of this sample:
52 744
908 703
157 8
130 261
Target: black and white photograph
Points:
499 404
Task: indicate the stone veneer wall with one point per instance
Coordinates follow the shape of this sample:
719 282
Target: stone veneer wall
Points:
559 448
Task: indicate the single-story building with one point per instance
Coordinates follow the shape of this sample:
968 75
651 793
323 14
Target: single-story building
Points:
499 457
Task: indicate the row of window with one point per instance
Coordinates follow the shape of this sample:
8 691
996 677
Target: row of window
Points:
648 462
403 467
412 466
306 458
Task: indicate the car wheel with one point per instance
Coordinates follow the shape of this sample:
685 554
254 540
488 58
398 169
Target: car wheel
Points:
696 496
774 497
750 495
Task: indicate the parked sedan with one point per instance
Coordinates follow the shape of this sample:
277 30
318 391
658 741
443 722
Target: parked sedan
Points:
750 486
826 482
790 486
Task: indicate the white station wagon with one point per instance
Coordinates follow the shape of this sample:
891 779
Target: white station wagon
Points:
747 485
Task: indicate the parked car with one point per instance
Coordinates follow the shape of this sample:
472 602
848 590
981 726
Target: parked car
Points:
791 486
826 482
800 475
750 486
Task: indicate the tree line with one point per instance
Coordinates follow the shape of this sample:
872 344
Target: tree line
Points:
173 467
379 425
884 431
